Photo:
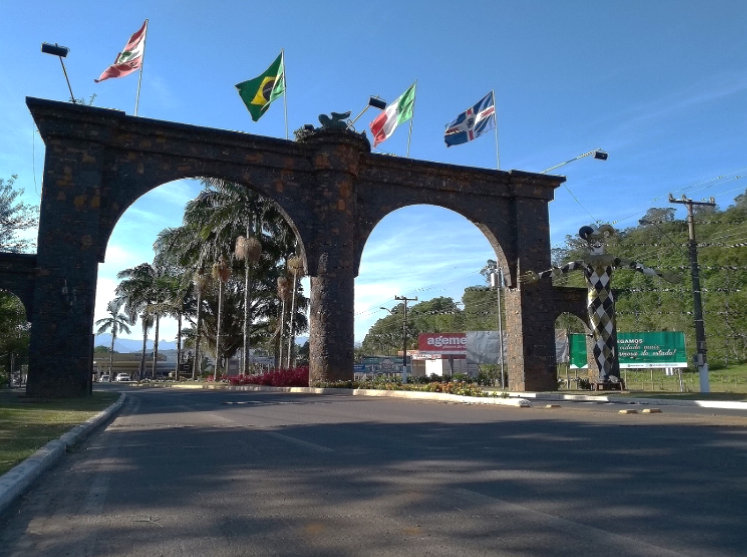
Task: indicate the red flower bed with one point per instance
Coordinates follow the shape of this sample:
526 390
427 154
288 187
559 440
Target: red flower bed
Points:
295 377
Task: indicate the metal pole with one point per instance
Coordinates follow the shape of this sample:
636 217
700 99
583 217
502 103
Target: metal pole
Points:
140 74
700 337
499 290
72 97
405 299
495 133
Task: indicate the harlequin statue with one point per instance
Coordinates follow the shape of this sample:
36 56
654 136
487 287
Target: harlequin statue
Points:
598 268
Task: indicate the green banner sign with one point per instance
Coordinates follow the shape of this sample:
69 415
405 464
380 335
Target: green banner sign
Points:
638 350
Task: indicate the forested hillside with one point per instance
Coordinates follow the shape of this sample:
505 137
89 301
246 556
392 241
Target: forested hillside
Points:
643 303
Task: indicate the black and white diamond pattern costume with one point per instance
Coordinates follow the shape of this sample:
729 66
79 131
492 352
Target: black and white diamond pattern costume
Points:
600 301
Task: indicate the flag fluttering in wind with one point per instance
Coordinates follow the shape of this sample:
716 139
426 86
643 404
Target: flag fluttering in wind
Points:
131 57
394 114
472 123
259 92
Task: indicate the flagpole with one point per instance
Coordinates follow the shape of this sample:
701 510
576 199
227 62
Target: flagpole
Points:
140 74
409 133
285 93
495 132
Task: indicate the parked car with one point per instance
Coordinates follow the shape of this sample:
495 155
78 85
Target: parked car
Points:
122 377
104 378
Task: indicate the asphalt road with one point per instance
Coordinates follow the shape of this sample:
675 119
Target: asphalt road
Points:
224 474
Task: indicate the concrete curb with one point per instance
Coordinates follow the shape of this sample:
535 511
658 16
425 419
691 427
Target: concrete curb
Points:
421 395
19 478
617 399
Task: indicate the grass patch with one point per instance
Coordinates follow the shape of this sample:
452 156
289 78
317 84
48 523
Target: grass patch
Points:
27 424
724 384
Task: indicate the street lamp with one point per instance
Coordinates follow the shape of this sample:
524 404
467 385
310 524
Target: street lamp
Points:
497 281
376 102
596 153
61 52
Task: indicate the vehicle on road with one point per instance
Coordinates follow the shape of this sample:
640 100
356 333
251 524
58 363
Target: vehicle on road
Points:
122 377
104 378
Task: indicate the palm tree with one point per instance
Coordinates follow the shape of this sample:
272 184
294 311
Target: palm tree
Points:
221 273
283 292
136 289
213 221
200 281
295 265
249 250
116 322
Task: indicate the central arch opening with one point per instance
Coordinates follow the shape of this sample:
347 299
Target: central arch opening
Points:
438 260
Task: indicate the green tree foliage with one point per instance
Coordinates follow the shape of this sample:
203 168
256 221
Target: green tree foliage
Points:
651 304
116 322
250 309
14 335
15 217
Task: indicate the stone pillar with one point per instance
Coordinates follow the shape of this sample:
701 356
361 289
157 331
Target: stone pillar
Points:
61 346
336 157
530 323
530 308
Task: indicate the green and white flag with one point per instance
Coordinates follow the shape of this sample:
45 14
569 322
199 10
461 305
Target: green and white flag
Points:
259 92
395 113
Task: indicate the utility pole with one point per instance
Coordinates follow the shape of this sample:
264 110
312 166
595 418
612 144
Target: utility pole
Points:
405 299
700 338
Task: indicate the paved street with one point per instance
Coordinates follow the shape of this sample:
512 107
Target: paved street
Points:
241 473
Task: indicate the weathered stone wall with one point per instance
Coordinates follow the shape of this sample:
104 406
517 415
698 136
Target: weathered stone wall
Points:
330 187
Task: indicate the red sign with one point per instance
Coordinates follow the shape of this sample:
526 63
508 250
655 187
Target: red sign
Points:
443 343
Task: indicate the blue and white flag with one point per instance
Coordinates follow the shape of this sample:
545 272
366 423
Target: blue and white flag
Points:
472 123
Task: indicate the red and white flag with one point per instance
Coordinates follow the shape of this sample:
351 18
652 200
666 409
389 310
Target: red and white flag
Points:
131 57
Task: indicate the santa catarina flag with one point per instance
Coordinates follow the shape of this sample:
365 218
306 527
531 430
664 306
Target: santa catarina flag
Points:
131 57
394 114
472 123
259 92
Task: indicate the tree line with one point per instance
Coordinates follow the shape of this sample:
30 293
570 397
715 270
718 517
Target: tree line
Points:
229 275
642 303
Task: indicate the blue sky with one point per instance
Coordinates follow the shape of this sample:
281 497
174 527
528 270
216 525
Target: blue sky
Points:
661 86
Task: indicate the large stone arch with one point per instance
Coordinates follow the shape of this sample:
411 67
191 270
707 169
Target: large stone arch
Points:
329 185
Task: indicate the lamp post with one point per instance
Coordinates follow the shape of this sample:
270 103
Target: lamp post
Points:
598 154
376 102
497 281
61 52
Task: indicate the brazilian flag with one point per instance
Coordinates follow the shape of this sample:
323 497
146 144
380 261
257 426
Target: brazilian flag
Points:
259 92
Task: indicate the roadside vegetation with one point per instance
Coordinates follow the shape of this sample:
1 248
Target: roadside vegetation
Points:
26 424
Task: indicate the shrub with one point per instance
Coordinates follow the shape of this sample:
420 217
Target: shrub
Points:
294 377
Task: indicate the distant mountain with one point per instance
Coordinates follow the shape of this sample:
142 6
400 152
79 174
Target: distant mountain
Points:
124 345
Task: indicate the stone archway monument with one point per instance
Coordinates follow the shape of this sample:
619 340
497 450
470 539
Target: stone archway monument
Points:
330 187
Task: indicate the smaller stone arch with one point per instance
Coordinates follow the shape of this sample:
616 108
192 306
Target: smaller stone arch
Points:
18 275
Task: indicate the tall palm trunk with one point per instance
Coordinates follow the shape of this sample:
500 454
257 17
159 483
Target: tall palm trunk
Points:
296 265
280 334
247 317
155 345
221 272
217 334
178 345
141 370
111 352
249 250
290 321
196 364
